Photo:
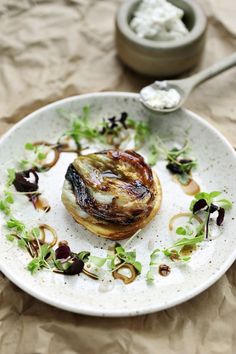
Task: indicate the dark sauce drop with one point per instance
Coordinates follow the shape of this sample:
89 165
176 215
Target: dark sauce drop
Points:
164 270
27 182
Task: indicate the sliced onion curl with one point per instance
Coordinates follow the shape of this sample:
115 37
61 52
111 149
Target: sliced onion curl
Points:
127 280
181 215
48 165
44 227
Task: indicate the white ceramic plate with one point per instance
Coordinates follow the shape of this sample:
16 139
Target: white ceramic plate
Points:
216 171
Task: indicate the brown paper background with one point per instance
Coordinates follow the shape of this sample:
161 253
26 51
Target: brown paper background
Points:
52 49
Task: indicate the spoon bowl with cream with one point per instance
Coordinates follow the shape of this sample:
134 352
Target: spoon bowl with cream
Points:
168 96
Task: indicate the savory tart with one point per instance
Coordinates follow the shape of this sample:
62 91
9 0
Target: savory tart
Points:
112 193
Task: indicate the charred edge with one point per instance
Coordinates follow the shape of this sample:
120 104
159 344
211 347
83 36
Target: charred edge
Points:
138 189
133 158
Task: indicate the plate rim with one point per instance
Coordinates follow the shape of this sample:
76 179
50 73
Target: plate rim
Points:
126 312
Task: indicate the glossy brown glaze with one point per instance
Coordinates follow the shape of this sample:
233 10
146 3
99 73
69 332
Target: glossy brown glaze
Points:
133 185
116 190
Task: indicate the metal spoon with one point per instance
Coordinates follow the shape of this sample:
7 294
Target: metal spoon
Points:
185 86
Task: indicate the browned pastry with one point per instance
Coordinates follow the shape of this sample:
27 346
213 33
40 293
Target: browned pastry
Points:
112 193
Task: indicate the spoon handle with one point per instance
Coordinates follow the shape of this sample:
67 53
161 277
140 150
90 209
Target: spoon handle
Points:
214 70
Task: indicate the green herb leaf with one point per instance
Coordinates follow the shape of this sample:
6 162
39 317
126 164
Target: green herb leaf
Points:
211 198
138 266
127 257
29 146
44 250
62 266
150 276
11 174
10 237
80 126
35 232
119 250
225 203
98 261
22 243
153 155
166 252
58 265
40 261
34 265
186 259
180 230
9 197
153 256
214 194
189 241
86 113
23 164
142 131
83 256
4 207
41 156
16 224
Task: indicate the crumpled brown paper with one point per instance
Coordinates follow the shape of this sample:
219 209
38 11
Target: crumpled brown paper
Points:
52 49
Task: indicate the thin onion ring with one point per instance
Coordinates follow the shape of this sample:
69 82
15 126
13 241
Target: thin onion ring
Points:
49 165
64 147
180 215
44 227
125 279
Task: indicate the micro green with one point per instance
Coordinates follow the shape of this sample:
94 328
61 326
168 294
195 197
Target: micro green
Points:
97 261
4 207
40 261
181 230
188 241
208 204
29 146
80 126
153 155
35 232
41 156
83 255
142 131
150 276
16 224
180 164
125 257
24 164
10 237
178 161
174 253
10 176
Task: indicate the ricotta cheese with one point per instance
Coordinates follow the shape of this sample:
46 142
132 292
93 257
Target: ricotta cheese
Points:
162 97
158 20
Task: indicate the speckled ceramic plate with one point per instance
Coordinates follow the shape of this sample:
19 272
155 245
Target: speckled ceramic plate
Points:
216 171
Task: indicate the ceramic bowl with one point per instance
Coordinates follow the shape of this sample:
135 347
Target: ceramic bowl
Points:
162 59
216 171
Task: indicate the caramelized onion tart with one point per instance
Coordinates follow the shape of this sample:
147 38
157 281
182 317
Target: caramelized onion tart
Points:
112 193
